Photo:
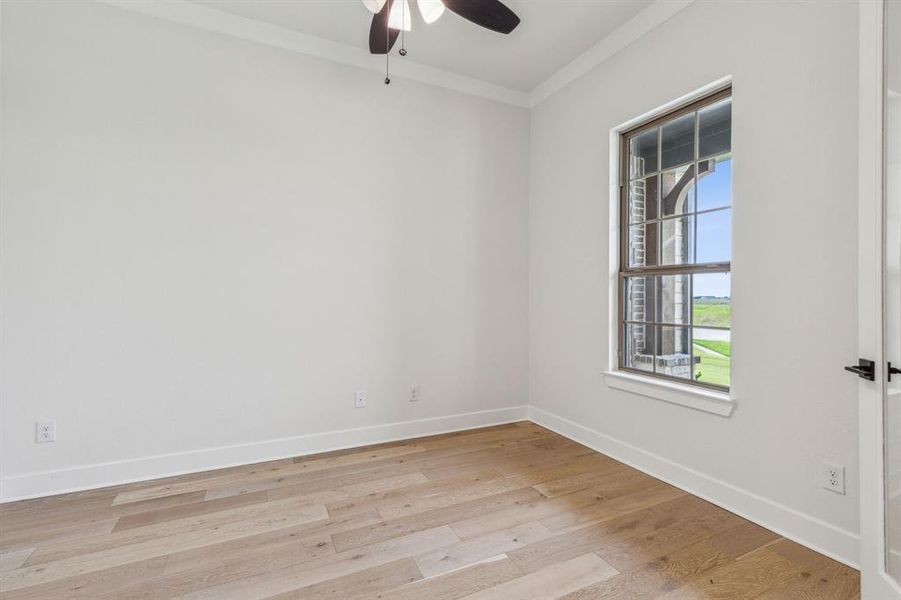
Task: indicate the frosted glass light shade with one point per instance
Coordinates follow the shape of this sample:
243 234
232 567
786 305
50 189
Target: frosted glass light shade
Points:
374 6
431 10
399 17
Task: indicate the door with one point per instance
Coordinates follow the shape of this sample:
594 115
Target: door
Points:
880 298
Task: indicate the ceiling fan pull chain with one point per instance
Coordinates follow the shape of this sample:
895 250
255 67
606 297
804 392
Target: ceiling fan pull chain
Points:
387 45
403 31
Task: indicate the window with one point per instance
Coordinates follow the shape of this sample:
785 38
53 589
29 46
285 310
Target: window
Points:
676 245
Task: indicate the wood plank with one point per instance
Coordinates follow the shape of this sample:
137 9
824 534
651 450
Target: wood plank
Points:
639 549
596 536
369 481
93 584
331 486
191 524
828 580
757 572
597 479
478 549
364 584
344 563
94 560
532 509
53 533
454 494
181 511
400 496
13 559
655 492
273 474
551 582
457 584
219 564
85 514
671 571
405 525
301 542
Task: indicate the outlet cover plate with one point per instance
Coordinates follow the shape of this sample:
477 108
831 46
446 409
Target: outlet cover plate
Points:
834 478
45 432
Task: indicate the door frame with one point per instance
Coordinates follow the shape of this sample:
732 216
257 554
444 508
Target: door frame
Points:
875 582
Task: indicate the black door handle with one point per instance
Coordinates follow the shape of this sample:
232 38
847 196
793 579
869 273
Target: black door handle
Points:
865 369
890 370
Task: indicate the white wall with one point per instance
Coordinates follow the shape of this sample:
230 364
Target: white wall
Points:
208 242
794 66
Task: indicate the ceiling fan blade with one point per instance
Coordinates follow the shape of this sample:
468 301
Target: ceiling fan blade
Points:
490 14
381 39
374 6
430 10
399 16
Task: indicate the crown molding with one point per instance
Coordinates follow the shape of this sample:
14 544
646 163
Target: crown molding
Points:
210 19
642 23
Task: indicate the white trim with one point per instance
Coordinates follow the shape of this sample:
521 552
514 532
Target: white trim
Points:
718 403
86 477
875 582
816 534
809 531
211 19
683 100
711 401
633 29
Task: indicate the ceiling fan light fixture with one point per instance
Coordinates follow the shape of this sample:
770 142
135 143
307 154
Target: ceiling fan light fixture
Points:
374 6
431 10
399 17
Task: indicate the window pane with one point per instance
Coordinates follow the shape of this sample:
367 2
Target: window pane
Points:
639 345
713 350
715 182
674 304
715 128
715 236
643 199
640 296
678 191
676 236
678 140
643 245
643 153
712 300
672 351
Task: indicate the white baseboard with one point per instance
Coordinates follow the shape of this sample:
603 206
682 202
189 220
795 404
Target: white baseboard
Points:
48 483
818 535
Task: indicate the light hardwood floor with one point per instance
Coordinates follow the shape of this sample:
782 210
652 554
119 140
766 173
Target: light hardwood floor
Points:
514 512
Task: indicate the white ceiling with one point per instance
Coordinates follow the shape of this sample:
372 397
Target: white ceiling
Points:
551 34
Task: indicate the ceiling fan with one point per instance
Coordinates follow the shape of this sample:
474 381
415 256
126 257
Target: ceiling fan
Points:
391 17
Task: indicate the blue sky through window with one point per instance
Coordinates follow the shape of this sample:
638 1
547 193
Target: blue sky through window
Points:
718 285
715 188
715 228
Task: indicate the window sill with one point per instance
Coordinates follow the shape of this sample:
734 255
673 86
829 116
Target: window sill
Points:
718 403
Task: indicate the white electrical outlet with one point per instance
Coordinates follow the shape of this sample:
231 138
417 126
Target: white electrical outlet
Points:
45 431
414 393
834 478
360 399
